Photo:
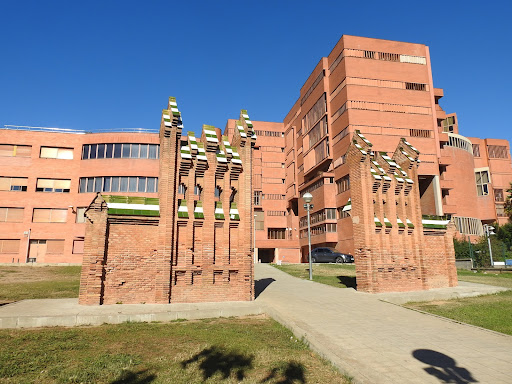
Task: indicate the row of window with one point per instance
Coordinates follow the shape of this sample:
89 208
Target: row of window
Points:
120 151
319 230
269 133
89 151
40 215
119 184
38 248
319 216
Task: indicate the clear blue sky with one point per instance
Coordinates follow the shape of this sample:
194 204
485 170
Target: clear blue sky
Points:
109 64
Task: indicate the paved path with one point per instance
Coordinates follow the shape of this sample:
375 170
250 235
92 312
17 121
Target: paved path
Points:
380 342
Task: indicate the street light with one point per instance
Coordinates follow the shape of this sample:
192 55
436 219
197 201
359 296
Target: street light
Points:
489 230
308 197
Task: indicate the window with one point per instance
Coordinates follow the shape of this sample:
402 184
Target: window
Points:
276 213
9 245
78 246
276 233
259 220
120 151
497 152
50 215
343 214
315 113
419 132
257 197
197 191
53 185
218 192
12 150
11 215
273 196
343 184
13 183
118 184
388 56
369 54
80 215
318 131
482 183
56 153
476 150
498 195
54 246
500 210
448 124
415 86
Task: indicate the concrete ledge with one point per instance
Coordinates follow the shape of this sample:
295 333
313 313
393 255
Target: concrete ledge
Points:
464 289
68 313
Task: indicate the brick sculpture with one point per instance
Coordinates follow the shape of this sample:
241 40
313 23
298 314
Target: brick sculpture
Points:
395 248
193 243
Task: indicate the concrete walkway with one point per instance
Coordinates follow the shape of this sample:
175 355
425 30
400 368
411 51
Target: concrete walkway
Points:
379 342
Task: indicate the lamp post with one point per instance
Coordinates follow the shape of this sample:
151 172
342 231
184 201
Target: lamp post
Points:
489 230
308 197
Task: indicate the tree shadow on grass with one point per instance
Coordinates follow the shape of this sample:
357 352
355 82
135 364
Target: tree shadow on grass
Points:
215 360
289 373
261 284
130 377
443 367
349 281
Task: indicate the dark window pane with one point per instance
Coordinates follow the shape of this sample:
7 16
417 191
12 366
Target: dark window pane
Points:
142 185
151 184
90 184
126 150
124 184
97 184
92 154
133 185
85 152
152 151
101 151
110 149
117 151
115 184
106 184
143 151
135 151
83 184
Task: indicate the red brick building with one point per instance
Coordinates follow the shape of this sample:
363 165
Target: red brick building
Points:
382 88
193 242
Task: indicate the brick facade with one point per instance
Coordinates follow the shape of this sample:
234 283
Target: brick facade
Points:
199 248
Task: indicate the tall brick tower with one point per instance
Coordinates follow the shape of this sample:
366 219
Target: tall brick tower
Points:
194 243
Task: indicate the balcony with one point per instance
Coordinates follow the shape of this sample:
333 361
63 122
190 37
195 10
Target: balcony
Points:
447 184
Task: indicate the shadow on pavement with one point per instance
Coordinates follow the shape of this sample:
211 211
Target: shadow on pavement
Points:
130 377
261 284
349 281
289 373
215 360
443 367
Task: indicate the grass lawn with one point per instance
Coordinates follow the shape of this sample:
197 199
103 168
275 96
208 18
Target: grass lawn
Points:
26 282
245 350
491 311
336 275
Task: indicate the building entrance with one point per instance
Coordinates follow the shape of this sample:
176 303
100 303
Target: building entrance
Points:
266 255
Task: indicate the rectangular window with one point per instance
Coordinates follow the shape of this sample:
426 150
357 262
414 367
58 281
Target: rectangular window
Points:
276 213
56 153
482 183
13 183
135 151
259 220
109 151
276 233
53 185
50 215
118 184
12 150
80 215
11 215
497 152
498 195
78 246
101 151
419 133
343 184
117 151
9 245
415 86
500 210
54 246
343 214
126 150
476 150
315 113
257 197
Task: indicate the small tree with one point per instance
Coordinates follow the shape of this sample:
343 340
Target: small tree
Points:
508 203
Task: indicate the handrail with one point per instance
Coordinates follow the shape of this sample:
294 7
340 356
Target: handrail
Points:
77 131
